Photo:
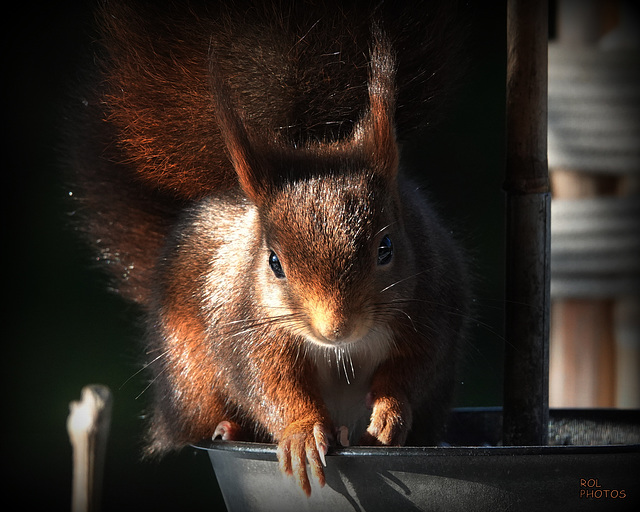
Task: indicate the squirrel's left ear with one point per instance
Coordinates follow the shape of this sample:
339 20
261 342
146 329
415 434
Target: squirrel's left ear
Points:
375 132
246 157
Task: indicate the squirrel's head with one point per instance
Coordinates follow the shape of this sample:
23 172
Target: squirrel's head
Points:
330 216
332 246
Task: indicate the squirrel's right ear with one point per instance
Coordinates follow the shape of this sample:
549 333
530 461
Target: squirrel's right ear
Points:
375 132
250 167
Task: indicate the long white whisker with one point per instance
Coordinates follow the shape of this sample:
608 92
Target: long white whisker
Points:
402 280
155 378
144 367
253 326
149 385
344 367
453 311
408 316
381 230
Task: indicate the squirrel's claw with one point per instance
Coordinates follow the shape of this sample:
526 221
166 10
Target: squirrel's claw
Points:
321 442
302 443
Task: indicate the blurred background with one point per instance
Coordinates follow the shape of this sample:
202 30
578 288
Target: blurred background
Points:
65 330
594 164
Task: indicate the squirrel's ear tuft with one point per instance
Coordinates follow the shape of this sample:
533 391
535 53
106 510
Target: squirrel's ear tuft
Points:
375 132
250 167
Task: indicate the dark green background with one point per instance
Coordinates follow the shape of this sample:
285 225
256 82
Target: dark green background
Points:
62 330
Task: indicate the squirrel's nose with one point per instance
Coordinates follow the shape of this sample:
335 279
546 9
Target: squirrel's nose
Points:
332 324
334 332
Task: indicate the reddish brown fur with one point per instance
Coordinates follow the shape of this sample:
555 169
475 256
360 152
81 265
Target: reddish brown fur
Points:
216 137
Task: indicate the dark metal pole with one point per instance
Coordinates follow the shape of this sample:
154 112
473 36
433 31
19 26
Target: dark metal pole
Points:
526 386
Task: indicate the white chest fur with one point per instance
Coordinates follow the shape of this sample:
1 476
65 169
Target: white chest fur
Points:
345 378
346 399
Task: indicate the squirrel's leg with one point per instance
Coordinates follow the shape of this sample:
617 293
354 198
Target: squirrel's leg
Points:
299 421
391 412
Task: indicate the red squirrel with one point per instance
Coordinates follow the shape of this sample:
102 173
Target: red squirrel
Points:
238 173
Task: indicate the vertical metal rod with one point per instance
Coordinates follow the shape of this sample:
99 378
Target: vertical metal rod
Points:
526 386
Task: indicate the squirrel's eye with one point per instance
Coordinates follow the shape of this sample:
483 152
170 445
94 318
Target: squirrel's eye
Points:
274 263
385 250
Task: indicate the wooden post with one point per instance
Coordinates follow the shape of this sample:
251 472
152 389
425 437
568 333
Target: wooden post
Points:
88 428
526 408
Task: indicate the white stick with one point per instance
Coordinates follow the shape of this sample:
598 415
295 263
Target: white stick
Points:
88 428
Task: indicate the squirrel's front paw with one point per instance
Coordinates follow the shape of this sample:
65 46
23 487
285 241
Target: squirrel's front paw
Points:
304 441
390 423
227 431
